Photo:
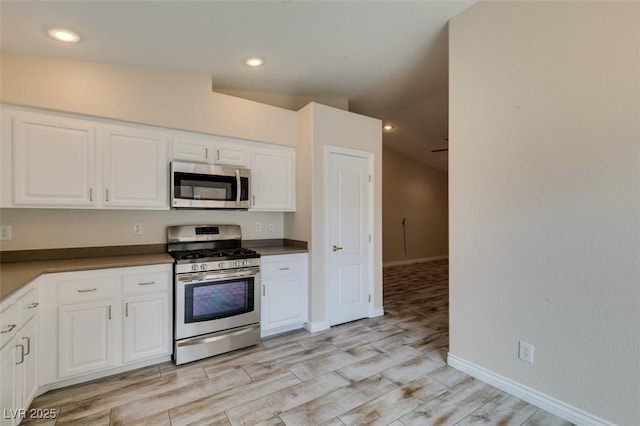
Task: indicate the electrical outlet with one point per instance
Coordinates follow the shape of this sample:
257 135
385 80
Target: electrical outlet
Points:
6 233
258 227
137 229
525 352
271 227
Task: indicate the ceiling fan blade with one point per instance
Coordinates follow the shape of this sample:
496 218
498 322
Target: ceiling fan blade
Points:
440 150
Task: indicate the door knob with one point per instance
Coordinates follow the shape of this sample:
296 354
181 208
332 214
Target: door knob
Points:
336 248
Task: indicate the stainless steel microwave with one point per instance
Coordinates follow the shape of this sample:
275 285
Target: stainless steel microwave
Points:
204 186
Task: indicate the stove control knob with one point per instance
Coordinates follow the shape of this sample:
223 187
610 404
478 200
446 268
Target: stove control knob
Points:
194 267
203 267
245 263
221 265
238 263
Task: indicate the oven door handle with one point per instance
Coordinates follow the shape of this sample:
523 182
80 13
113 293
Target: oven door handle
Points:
212 339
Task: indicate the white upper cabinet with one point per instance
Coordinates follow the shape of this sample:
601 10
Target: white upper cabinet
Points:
136 165
231 154
63 162
211 150
197 150
273 179
54 161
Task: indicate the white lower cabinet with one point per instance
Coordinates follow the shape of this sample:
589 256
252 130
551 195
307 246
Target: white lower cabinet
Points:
284 303
106 319
86 338
18 355
147 312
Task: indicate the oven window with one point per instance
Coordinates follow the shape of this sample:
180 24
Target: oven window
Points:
214 300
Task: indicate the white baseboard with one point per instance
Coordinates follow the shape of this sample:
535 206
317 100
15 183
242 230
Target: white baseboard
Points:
314 327
377 312
532 396
410 261
279 330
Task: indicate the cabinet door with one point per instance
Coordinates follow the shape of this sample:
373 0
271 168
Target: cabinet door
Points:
147 327
283 303
86 338
54 161
27 369
136 168
188 149
273 179
231 154
8 400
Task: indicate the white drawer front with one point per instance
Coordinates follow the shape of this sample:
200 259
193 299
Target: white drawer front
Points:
148 282
29 305
283 268
88 290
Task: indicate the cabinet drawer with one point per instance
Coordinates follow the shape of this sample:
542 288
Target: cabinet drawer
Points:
29 305
9 319
283 268
148 282
88 290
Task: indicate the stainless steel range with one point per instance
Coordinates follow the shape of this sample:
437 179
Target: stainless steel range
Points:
217 291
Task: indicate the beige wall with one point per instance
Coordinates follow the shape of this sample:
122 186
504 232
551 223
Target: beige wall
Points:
62 228
545 198
291 102
320 126
168 99
417 192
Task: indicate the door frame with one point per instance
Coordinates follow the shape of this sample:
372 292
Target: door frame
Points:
370 157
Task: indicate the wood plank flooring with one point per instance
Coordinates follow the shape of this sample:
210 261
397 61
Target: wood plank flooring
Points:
389 370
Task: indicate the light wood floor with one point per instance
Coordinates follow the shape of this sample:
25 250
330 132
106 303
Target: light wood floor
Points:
389 370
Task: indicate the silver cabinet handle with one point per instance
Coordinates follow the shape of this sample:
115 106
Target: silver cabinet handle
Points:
28 345
336 248
147 283
87 290
126 309
109 311
10 327
90 194
21 354
217 155
107 195
263 291
253 200
32 305
285 269
206 153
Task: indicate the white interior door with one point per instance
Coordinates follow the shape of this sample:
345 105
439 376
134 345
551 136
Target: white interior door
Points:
349 227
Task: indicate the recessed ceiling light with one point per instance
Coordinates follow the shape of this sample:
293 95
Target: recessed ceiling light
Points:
254 62
61 34
388 127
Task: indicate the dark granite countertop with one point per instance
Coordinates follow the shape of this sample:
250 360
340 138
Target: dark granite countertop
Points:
19 268
16 274
276 247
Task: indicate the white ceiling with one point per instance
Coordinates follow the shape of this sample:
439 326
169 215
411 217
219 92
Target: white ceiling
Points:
388 58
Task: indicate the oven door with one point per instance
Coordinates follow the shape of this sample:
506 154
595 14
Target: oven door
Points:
208 302
205 186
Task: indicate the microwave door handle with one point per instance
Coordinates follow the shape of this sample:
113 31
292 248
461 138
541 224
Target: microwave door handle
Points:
238 187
